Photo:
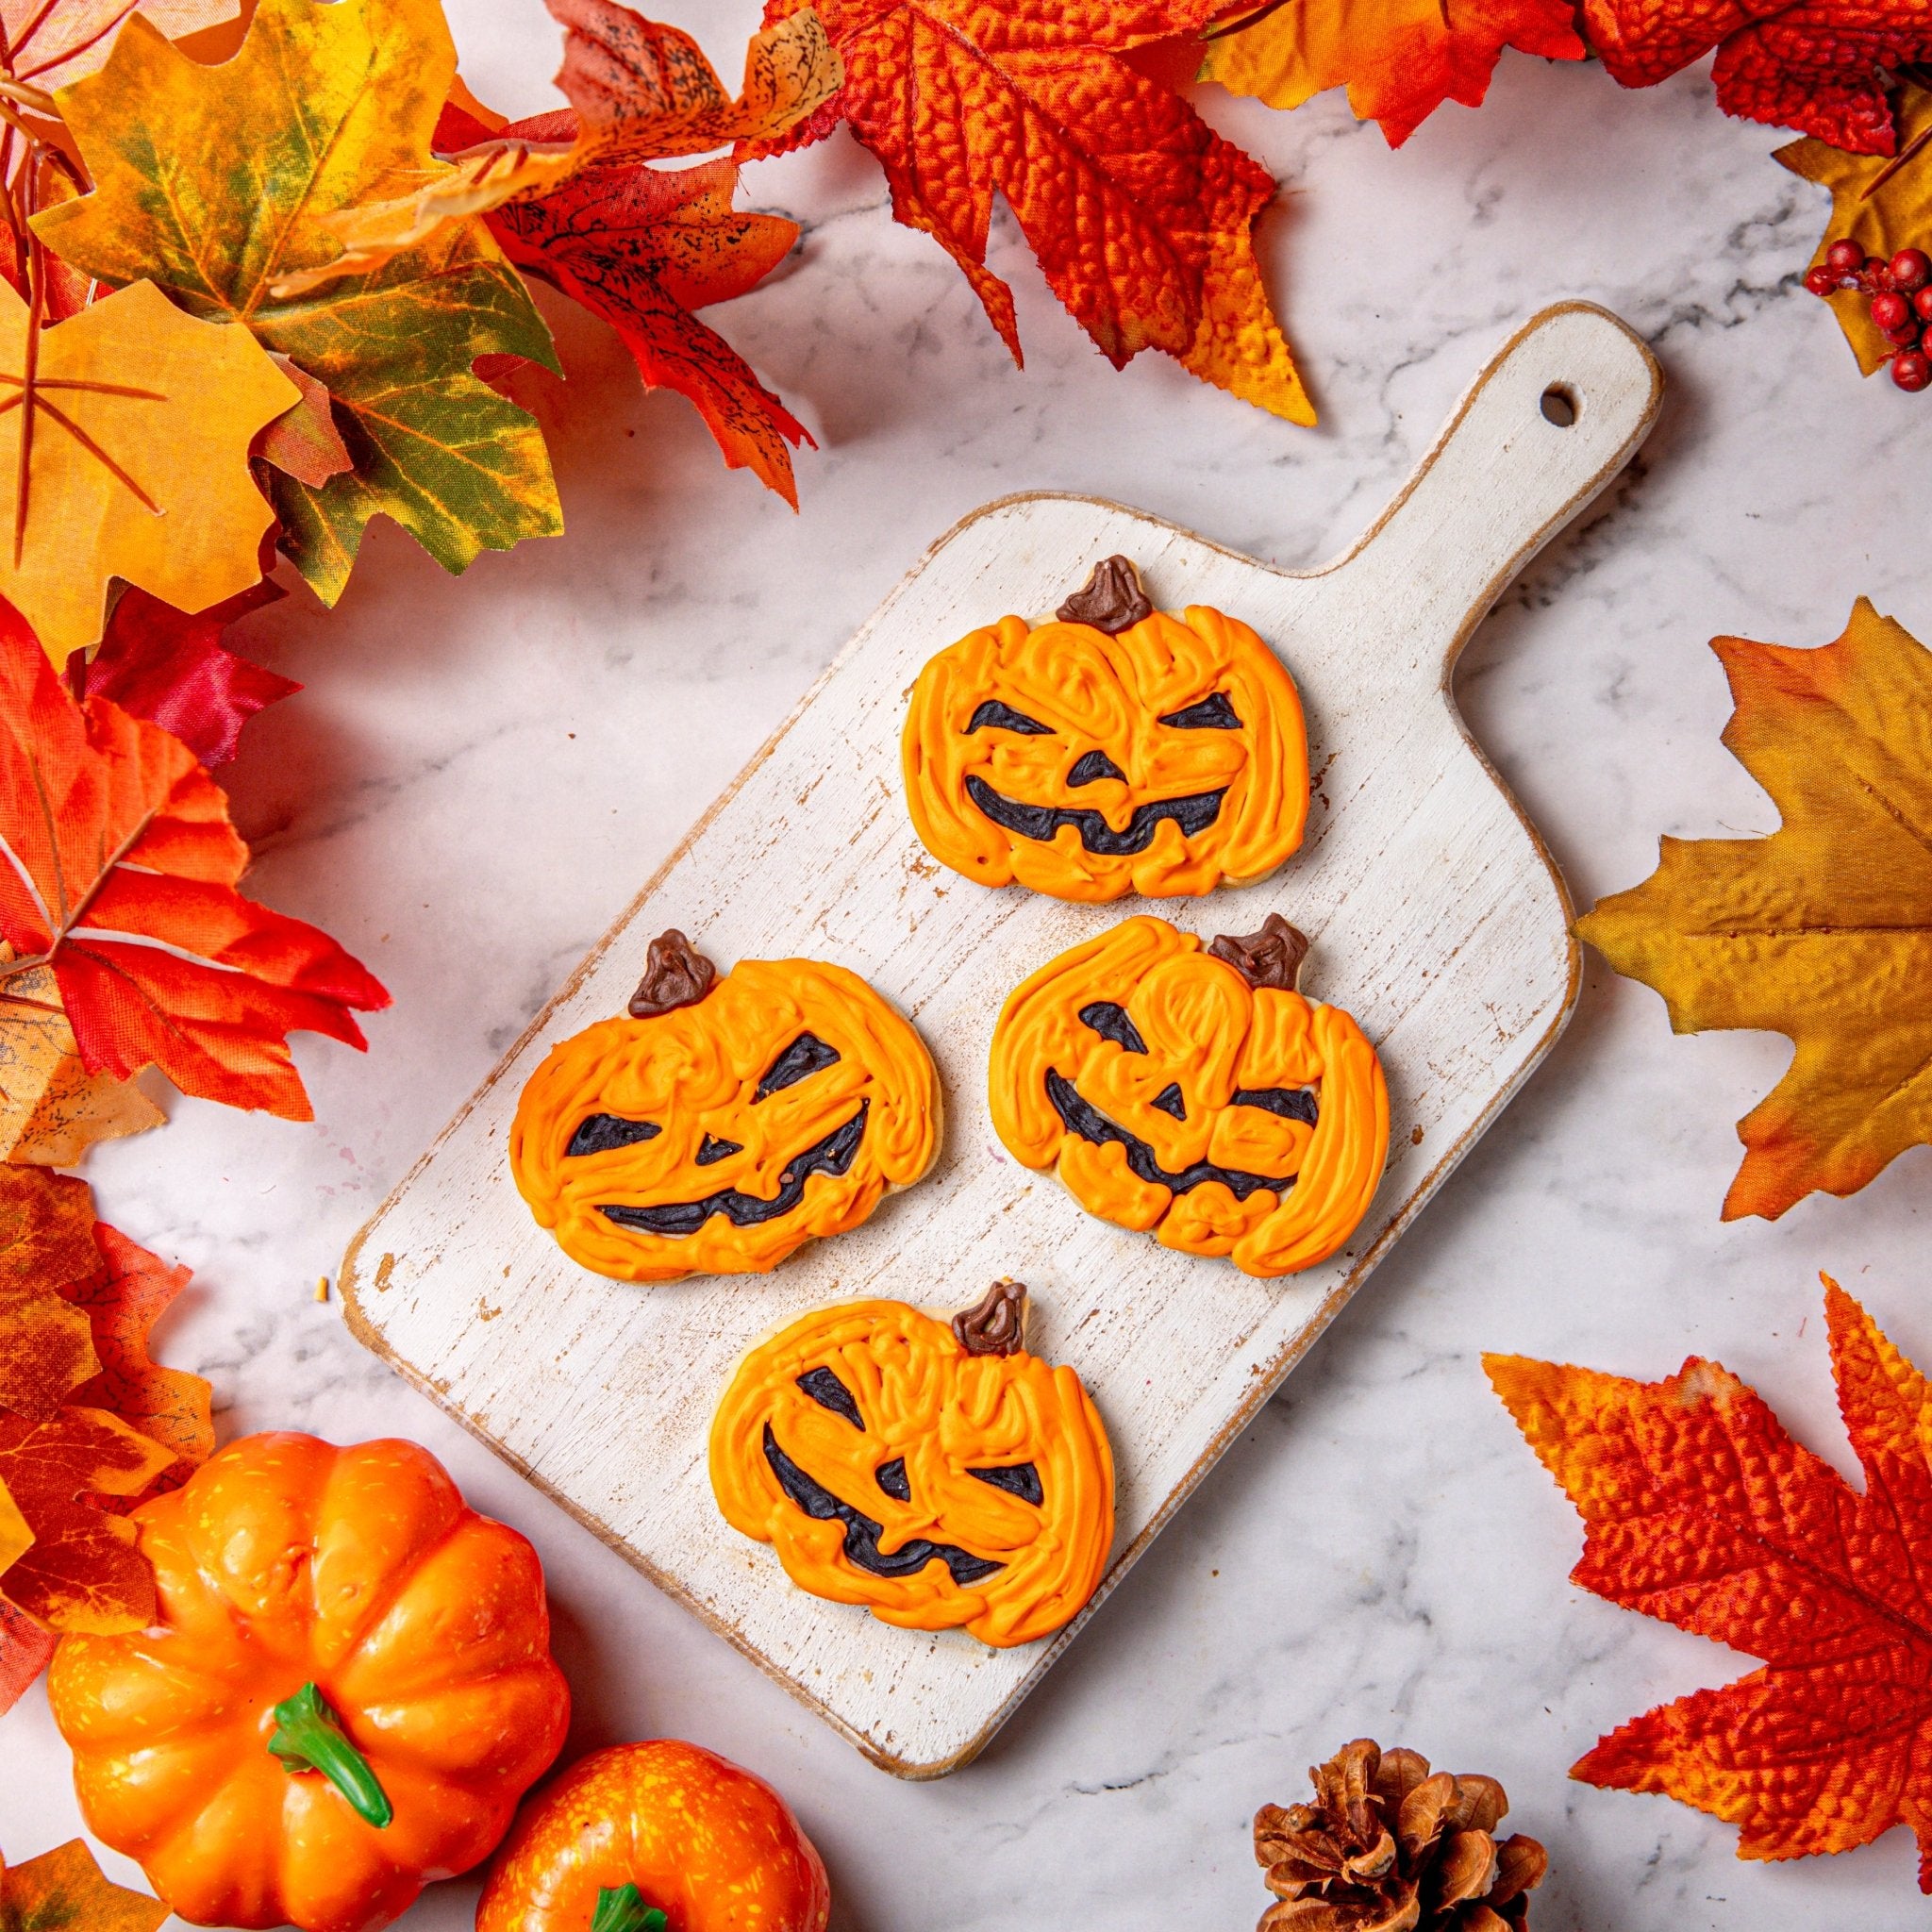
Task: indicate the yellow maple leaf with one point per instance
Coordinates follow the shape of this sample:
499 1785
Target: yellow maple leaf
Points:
641 91
1882 202
124 453
51 1109
1822 932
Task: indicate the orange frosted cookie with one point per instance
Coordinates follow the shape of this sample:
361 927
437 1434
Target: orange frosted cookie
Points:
1195 1094
727 1121
1118 749
933 1472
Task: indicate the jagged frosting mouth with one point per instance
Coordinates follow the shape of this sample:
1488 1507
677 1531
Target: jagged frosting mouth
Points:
862 1534
833 1154
1080 1116
1192 814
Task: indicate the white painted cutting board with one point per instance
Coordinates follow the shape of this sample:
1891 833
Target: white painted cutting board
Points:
1437 918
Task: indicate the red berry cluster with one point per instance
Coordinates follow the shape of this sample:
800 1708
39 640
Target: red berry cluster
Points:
1900 296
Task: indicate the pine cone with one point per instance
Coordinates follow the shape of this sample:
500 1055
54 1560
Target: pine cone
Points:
1385 1847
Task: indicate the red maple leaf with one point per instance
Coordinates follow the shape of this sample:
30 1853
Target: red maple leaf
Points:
123 878
1141 215
1699 1509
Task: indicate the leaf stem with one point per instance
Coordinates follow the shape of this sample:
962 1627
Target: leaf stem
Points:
309 1737
623 1909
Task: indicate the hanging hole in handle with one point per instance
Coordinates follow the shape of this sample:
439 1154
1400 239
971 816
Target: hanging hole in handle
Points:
1559 405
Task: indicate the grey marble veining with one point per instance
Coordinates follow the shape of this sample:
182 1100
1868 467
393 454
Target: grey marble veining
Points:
483 771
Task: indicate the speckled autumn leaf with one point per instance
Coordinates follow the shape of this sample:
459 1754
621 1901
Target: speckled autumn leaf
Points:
638 92
642 247
51 1109
219 182
1399 62
1141 215
1822 932
124 453
1820 66
1882 203
122 878
83 1571
63 1891
123 1297
46 1242
1700 1511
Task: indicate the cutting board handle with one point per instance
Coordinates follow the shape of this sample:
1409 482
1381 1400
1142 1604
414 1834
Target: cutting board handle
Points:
1542 430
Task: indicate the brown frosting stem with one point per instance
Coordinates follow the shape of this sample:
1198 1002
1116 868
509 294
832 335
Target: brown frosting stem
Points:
995 1324
1111 599
675 974
1271 957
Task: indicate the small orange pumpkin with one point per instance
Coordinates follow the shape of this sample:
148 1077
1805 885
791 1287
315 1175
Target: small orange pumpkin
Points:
1118 749
727 1121
1195 1094
346 1689
639 1838
933 1472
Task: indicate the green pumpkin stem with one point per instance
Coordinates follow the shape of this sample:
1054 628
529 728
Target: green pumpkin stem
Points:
623 1909
309 1737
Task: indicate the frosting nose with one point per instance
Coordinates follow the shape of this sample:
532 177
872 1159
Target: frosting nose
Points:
1092 765
717 1149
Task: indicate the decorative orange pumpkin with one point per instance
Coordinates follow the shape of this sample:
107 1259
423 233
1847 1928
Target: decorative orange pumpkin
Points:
727 1121
346 1689
644 1836
1195 1094
1119 749
936 1473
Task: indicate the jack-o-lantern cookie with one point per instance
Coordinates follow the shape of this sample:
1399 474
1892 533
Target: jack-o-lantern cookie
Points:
727 1121
933 1472
1195 1092
1118 749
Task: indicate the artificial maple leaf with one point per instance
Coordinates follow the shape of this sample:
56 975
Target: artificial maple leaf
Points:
171 667
51 1109
64 1891
26 1648
123 1298
124 452
1141 215
1399 62
1699 1509
49 42
83 1571
304 440
1822 932
124 879
638 92
1882 204
1820 66
642 247
46 1242
325 107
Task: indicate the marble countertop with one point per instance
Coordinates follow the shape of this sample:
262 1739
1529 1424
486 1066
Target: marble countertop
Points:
483 771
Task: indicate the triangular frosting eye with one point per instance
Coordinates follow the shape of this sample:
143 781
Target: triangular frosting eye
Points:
1017 1479
1112 1022
600 1132
1004 718
826 1388
807 1055
1215 712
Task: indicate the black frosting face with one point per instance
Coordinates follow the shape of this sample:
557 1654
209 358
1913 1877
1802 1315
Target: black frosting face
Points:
832 1155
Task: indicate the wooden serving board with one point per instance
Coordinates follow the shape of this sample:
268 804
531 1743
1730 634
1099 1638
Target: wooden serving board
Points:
1438 919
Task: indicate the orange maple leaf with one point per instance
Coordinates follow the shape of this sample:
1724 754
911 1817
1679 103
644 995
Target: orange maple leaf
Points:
63 1891
1141 215
83 1570
1700 1511
123 880
123 1298
1399 63
1822 932
46 1242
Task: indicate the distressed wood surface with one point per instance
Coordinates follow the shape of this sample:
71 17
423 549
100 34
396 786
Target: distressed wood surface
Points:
1438 920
